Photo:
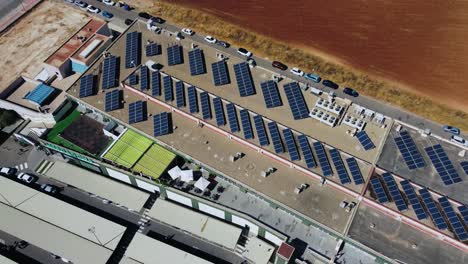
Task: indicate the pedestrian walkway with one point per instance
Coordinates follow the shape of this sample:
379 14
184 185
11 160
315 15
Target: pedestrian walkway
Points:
44 166
22 166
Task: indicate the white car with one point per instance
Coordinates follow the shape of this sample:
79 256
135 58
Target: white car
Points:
459 140
81 4
7 171
93 9
297 71
188 31
26 177
108 2
50 188
210 39
244 52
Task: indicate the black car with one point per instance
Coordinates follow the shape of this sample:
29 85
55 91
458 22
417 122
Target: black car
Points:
279 65
223 44
350 91
128 22
330 84
158 20
144 15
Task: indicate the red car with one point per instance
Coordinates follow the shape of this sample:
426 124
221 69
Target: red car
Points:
279 65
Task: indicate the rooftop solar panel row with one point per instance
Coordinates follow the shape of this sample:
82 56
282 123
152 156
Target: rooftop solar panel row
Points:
409 151
205 105
232 117
464 165
168 92
162 124
379 190
175 55
220 73
219 111
271 94
365 141
413 199
291 144
112 100
261 132
180 94
87 85
246 125
452 217
443 164
339 166
144 78
155 83
133 79
109 75
464 212
395 193
306 151
275 137
244 79
153 49
136 112
132 49
193 100
355 171
296 101
196 62
322 159
433 210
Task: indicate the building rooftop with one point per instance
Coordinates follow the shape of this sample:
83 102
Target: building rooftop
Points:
5 260
39 94
84 53
258 250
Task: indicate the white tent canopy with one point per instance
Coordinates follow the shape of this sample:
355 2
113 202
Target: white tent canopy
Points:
202 183
174 172
186 175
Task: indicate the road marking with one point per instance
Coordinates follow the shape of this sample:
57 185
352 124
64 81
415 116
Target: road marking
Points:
21 166
25 165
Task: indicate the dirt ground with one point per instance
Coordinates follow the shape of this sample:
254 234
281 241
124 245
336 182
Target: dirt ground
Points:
35 37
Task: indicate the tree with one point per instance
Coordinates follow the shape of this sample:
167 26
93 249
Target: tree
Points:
7 117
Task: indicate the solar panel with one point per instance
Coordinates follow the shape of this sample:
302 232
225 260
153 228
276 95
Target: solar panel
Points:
161 124
112 100
220 73
464 212
365 141
443 164
413 199
132 79
109 75
296 101
132 49
175 55
271 94
409 151
219 111
433 210
291 144
244 79
322 159
355 171
168 93
153 49
87 85
196 62
232 117
395 193
155 83
339 166
261 132
205 105
464 165
246 125
275 137
193 100
136 112
180 94
452 217
144 78
306 151
379 190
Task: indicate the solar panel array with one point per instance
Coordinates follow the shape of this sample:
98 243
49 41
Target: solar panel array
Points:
156 83
413 199
464 212
246 125
339 166
244 79
109 74
365 141
409 151
291 144
168 93
306 151
355 170
132 79
464 165
132 49
395 193
379 190
161 124
271 94
220 73
144 78
135 112
153 49
296 101
205 105
112 100
322 159
452 217
275 137
175 55
434 211
219 111
261 132
196 62
180 94
193 100
232 117
87 85
442 164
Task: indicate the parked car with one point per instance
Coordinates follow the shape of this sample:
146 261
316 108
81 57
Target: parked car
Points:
158 20
144 15
279 65
48 188
297 71
312 77
330 84
8 171
107 14
108 2
188 31
93 9
70 1
351 92
81 4
244 52
451 129
459 140
223 44
128 22
210 39
26 177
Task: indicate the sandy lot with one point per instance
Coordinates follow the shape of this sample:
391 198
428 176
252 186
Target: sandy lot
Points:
26 45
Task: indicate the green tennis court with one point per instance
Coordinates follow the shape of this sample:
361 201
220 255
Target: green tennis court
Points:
155 161
128 149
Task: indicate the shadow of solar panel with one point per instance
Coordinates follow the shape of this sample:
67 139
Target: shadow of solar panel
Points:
271 94
261 132
205 105
365 141
162 124
193 100
433 210
355 171
155 84
87 85
409 151
457 226
443 164
136 112
220 73
296 101
322 159
113 99
339 166
144 78
219 111
395 193
175 55
232 117
275 137
153 49
379 190
180 94
109 75
168 93
464 165
291 144
306 151
132 49
133 79
196 62
413 199
244 79
246 125
464 212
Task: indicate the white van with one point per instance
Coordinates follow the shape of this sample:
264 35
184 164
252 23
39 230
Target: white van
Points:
459 140
315 91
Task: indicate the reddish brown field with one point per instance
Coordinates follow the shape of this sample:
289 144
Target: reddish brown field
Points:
420 45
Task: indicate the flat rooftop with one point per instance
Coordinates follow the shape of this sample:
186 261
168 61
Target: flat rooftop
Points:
97 41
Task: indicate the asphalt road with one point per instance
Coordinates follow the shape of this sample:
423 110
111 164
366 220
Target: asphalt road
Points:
385 109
